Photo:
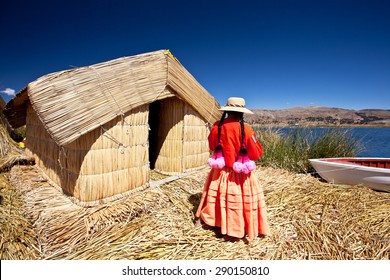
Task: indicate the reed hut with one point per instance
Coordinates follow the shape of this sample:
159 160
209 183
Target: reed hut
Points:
98 131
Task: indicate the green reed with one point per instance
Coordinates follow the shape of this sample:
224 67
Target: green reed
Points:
291 149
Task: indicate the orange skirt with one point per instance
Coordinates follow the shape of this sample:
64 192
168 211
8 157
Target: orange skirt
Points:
235 202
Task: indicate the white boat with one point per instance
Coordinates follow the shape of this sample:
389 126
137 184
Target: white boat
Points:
371 172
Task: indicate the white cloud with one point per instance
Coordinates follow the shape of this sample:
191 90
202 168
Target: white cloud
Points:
8 91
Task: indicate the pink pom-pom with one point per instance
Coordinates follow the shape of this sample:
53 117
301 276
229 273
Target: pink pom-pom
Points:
244 169
250 165
219 163
211 162
237 166
217 160
244 164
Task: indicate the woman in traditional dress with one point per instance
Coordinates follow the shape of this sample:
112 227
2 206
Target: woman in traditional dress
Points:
232 198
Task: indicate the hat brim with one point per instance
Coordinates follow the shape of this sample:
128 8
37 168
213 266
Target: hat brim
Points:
235 109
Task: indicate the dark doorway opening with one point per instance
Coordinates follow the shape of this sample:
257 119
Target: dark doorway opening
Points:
154 145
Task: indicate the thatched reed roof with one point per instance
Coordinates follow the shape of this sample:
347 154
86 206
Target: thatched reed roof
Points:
73 102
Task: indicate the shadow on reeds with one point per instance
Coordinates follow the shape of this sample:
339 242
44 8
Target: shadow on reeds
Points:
194 199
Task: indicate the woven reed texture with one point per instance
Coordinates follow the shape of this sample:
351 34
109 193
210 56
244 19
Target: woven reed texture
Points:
195 144
309 219
181 138
73 102
170 137
113 160
103 163
89 128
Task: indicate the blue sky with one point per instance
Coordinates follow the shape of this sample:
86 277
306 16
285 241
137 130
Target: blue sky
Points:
275 53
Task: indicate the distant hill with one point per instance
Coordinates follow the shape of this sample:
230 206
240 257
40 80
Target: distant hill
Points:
317 115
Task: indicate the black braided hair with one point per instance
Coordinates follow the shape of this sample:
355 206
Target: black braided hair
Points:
242 148
220 126
241 120
242 129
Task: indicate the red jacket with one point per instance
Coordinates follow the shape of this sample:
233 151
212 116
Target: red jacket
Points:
231 141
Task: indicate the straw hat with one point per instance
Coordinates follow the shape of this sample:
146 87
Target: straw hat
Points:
236 104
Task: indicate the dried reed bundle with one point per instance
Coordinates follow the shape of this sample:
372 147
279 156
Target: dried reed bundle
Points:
309 220
18 240
7 147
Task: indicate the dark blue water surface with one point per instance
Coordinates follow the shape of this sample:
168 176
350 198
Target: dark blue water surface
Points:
376 141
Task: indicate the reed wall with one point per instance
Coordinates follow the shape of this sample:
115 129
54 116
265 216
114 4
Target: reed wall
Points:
101 165
195 144
182 138
112 160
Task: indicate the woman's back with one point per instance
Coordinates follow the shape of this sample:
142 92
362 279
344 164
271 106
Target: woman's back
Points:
231 140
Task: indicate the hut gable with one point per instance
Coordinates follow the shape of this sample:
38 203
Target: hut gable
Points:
97 131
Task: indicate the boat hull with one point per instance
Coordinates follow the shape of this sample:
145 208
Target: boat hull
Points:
351 171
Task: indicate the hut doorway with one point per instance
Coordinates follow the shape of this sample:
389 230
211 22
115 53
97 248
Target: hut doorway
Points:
154 147
166 135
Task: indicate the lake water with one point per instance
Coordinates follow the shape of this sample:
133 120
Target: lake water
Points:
376 140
